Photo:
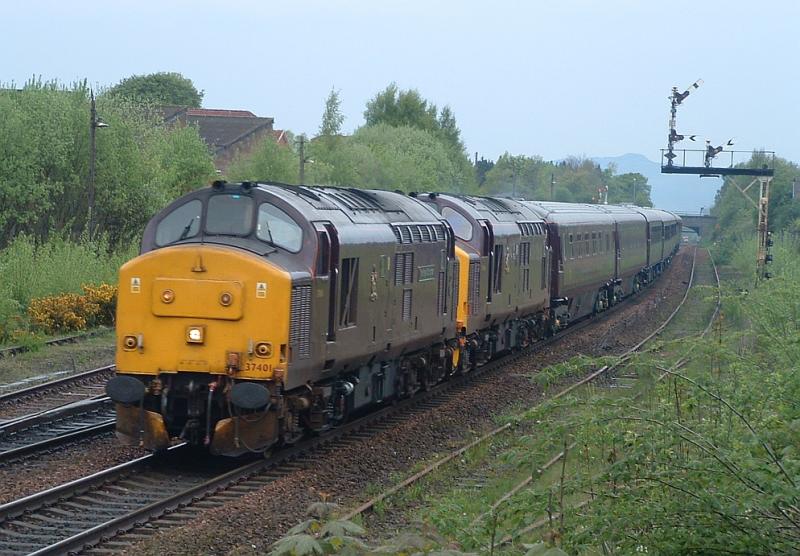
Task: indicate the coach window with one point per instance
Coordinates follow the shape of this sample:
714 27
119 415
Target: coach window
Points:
461 226
278 228
571 248
182 223
229 215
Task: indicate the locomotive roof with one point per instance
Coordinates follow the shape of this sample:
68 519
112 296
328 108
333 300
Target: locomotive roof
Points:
495 209
359 206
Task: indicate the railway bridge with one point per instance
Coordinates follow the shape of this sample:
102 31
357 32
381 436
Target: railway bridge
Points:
703 224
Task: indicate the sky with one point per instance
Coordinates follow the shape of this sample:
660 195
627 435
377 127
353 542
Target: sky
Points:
548 78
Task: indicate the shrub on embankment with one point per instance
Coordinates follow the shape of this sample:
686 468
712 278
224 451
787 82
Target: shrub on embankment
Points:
58 285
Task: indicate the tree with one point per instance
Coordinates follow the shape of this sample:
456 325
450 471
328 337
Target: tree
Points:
332 117
388 157
159 88
401 108
44 163
622 187
267 162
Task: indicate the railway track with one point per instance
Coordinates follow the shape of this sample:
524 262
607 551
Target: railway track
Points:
72 338
110 507
54 394
47 430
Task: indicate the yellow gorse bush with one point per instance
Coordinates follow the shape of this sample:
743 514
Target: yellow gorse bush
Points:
72 311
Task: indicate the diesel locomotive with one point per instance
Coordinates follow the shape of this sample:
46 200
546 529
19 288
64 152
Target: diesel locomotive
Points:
257 313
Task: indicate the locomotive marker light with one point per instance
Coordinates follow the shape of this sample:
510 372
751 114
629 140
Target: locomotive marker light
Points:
129 342
264 349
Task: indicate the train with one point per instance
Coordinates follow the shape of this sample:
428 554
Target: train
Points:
259 313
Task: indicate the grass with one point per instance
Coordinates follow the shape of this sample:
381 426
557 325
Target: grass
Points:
32 270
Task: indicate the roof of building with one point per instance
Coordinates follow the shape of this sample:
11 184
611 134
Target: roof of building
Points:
219 128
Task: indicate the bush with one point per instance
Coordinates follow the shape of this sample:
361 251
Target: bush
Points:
70 311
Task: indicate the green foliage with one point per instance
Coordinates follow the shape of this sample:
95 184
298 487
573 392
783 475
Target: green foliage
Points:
737 217
35 269
27 340
316 537
397 108
542 549
267 162
335 536
44 163
406 108
159 88
574 180
387 157
332 117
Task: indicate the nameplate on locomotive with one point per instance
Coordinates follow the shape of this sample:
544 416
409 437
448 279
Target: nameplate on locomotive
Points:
426 273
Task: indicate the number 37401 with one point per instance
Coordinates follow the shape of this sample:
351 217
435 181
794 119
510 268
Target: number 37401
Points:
259 367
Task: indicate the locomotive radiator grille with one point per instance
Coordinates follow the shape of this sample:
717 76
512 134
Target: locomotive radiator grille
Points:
300 324
441 295
406 305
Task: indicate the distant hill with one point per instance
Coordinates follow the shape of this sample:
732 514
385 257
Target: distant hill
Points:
669 191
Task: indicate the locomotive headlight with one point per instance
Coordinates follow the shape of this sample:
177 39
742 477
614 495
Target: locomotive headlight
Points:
129 342
225 299
195 334
168 296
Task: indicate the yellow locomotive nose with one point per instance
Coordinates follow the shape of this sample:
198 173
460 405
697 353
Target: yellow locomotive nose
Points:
208 307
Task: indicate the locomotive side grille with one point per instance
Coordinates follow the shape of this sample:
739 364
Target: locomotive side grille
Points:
419 233
407 305
403 268
530 228
408 271
300 323
441 295
474 287
426 233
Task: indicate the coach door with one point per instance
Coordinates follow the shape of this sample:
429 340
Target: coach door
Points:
617 250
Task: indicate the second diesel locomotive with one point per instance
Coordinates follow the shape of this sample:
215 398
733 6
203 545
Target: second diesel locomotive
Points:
257 312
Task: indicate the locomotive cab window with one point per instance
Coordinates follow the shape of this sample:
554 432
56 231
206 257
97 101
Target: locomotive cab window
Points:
461 226
229 215
182 223
278 228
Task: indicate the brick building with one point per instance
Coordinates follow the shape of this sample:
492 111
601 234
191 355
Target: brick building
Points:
227 133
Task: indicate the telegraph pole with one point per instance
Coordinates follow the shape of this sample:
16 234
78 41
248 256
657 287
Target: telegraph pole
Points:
302 141
94 123
552 186
634 190
92 161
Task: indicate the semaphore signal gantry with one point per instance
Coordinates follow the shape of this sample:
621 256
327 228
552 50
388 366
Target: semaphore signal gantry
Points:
701 162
